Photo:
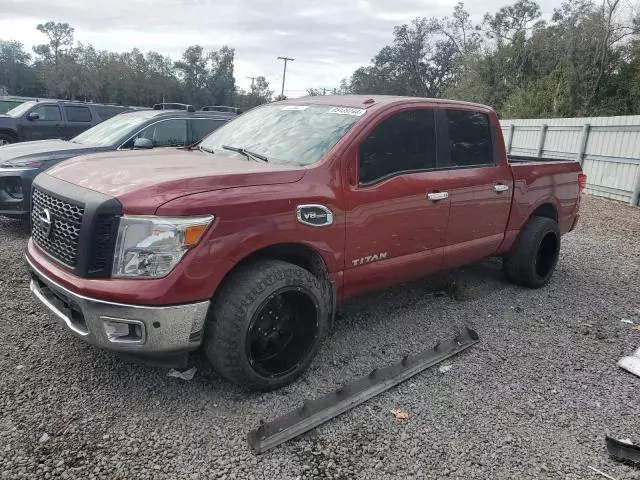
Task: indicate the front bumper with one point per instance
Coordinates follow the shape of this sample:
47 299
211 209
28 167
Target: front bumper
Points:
10 204
153 330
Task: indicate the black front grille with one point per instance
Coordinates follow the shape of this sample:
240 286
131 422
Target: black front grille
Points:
60 237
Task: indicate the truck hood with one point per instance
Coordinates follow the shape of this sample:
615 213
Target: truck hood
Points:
27 154
144 180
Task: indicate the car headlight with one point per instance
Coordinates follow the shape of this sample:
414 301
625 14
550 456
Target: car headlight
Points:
150 247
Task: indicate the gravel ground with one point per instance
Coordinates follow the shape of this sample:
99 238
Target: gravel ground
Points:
533 400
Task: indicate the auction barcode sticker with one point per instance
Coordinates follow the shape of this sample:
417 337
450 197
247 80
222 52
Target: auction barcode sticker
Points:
358 112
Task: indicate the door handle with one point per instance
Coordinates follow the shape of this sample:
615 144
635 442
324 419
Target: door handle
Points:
500 188
437 196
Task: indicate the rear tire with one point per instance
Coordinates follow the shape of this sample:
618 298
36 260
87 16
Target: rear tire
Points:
6 139
534 256
266 325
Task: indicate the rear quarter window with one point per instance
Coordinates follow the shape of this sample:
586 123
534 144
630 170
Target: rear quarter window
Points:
470 138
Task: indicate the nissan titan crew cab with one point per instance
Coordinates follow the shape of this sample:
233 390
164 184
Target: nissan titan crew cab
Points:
246 244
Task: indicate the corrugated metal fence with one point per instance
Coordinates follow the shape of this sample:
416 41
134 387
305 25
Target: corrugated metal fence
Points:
607 147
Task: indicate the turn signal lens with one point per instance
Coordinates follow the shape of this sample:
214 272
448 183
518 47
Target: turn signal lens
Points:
192 234
582 183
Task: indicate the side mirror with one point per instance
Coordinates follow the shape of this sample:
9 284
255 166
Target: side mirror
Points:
142 144
33 116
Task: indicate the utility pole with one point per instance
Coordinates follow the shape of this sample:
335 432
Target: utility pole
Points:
253 80
284 74
324 92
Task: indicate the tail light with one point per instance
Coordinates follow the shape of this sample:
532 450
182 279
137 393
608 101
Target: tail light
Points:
582 183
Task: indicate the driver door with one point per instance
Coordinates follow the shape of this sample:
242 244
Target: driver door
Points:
397 209
49 123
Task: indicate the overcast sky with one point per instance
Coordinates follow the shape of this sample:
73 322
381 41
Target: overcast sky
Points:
329 39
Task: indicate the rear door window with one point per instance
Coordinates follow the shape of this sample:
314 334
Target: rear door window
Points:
78 114
470 138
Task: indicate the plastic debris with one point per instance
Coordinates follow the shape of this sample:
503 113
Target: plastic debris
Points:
631 363
44 438
626 320
187 375
445 368
623 450
399 414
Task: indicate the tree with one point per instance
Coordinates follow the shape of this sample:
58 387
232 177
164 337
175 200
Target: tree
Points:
60 37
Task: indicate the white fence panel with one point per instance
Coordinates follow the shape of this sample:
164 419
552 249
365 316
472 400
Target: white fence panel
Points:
607 147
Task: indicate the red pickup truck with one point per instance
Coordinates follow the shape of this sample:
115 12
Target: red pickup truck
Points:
247 243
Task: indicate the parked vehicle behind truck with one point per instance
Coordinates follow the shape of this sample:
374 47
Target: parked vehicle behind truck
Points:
247 245
22 162
42 120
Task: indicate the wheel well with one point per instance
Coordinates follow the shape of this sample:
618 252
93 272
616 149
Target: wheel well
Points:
546 210
10 133
295 253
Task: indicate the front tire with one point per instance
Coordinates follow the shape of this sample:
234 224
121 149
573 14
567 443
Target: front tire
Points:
266 325
534 256
6 139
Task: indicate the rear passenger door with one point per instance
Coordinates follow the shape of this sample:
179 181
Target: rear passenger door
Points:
201 127
396 213
480 188
79 119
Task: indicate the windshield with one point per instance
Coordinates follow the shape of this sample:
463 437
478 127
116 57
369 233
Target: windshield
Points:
113 130
21 109
299 135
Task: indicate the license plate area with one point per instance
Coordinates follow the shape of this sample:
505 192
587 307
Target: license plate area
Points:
63 303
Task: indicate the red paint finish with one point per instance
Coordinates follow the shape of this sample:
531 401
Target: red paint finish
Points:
392 225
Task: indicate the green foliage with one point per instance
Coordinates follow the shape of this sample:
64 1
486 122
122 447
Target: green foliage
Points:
584 61
64 70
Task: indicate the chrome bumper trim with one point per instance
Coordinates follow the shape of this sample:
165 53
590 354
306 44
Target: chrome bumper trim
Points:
164 329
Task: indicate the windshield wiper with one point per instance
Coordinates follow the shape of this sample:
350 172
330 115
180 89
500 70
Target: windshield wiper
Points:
247 153
208 150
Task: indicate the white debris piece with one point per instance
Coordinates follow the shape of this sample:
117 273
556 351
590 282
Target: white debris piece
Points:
186 375
445 368
626 320
44 438
631 364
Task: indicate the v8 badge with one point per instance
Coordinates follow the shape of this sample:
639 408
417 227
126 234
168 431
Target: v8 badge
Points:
314 215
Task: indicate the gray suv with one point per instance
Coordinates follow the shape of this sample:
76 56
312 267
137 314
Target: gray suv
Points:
47 119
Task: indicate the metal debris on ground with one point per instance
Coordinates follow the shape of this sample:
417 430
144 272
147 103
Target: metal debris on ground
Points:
316 412
631 363
445 368
399 414
600 472
186 375
623 450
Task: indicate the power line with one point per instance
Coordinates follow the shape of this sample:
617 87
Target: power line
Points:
284 74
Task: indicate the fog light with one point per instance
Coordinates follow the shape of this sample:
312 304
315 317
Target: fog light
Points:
124 331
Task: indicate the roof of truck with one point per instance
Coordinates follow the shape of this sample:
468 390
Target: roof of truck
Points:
368 101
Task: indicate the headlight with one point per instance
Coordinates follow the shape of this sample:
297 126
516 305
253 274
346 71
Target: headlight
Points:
150 247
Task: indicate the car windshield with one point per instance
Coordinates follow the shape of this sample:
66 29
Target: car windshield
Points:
111 131
21 109
285 134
